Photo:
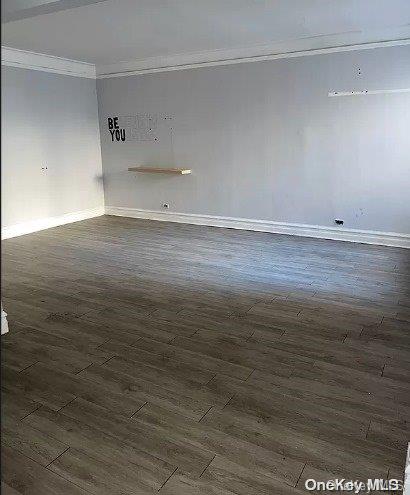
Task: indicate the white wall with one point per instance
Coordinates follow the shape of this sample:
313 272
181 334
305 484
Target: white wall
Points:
48 120
266 142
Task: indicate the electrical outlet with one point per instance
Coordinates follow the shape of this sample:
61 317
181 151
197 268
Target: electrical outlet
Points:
165 205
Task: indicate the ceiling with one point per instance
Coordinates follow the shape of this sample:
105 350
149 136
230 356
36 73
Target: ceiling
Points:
110 31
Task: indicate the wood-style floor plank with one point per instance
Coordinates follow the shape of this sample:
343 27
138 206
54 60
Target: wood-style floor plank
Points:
93 442
27 477
32 443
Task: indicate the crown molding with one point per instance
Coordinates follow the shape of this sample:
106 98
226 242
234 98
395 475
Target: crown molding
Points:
234 56
14 57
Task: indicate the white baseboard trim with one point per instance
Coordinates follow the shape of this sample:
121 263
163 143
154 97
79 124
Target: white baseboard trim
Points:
47 223
317 231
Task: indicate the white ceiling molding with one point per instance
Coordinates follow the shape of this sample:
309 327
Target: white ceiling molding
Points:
227 57
37 61
47 63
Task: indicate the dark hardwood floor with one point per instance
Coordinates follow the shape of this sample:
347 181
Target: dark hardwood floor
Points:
150 357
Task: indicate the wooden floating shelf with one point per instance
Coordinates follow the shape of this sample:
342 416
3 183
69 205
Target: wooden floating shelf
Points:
159 170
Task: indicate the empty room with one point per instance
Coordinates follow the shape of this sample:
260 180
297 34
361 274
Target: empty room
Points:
205 247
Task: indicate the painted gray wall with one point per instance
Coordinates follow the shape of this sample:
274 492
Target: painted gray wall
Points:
48 120
266 142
